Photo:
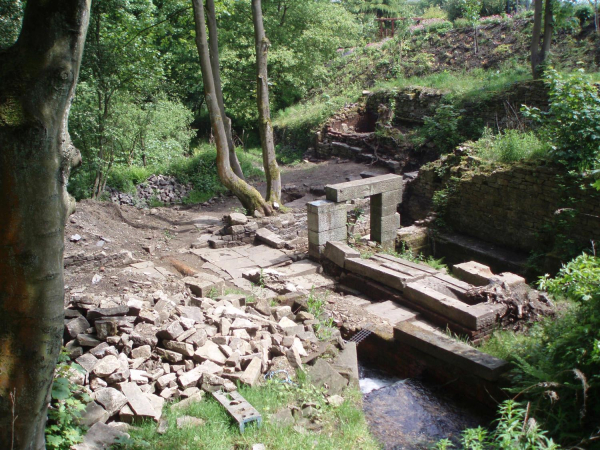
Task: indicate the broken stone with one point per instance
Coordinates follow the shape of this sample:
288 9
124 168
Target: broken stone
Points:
106 366
87 361
189 379
105 328
210 351
180 347
213 383
323 375
145 351
189 421
77 326
92 414
88 340
171 331
138 402
236 219
335 400
283 418
111 399
183 404
100 436
172 357
252 372
245 324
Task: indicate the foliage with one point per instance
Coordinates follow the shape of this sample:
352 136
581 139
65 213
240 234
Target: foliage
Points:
316 306
578 280
509 146
410 255
443 127
11 14
515 429
572 123
68 401
434 12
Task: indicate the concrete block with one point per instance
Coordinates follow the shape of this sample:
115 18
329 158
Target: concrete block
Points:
338 252
328 220
363 188
336 234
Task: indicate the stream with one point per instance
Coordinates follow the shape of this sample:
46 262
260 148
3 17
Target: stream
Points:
412 414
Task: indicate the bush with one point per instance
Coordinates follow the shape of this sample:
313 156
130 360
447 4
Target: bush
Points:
572 123
443 127
435 12
509 146
584 13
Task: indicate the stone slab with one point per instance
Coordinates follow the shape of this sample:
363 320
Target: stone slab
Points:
327 220
300 268
373 270
429 340
348 359
363 188
403 265
264 256
474 317
391 312
138 402
338 252
473 272
268 237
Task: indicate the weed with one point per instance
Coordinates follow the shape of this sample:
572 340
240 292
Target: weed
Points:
316 306
510 146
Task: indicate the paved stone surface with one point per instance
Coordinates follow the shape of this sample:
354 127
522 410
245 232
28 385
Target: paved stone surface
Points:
391 311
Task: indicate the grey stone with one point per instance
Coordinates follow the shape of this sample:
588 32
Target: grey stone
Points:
338 252
105 328
171 331
88 340
473 272
171 356
334 234
323 375
87 361
97 313
363 188
183 404
252 372
111 399
324 215
269 238
189 379
145 351
93 413
202 284
99 437
138 402
210 351
77 326
283 418
236 219
180 347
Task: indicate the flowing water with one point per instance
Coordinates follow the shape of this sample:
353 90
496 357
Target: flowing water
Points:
411 414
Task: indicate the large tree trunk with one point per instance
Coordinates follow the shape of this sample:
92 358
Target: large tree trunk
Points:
213 36
264 113
250 197
37 82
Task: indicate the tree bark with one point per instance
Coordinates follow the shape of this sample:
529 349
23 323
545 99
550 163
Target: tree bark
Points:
213 42
250 197
264 113
37 82
538 56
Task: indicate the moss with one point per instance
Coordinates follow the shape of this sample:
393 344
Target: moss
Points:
12 113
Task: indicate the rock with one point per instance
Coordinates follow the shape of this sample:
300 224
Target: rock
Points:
163 381
171 331
139 403
99 437
283 418
213 383
115 311
88 340
244 324
236 219
282 369
190 379
105 328
269 238
210 351
122 373
189 421
106 366
111 399
263 306
294 358
335 400
87 361
298 346
303 315
144 351
92 414
76 326
183 404
202 284
180 347
259 447
252 372
172 357
323 375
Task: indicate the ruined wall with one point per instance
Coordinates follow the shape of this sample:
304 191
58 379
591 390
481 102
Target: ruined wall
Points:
523 207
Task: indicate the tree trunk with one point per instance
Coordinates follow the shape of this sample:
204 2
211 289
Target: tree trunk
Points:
264 114
37 82
250 197
535 37
216 72
548 30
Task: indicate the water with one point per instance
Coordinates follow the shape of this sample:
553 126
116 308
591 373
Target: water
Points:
411 414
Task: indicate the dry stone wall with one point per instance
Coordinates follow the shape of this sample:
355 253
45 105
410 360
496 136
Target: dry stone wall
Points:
521 207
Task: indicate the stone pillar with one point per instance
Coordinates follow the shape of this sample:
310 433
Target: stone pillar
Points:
385 221
326 222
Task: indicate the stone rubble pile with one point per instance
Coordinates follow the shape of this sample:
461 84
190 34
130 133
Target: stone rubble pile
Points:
138 352
161 188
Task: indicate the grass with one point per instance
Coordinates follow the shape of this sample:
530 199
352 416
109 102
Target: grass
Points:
510 146
316 306
343 427
462 83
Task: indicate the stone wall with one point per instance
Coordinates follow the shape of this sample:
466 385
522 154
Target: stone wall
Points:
523 207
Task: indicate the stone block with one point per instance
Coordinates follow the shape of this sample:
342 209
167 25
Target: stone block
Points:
386 203
473 272
336 234
315 251
363 188
268 237
201 287
324 215
384 225
338 252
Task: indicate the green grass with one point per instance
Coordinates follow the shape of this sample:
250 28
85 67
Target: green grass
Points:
343 427
462 83
510 146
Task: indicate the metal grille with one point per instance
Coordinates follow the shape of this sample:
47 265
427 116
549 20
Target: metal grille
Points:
362 334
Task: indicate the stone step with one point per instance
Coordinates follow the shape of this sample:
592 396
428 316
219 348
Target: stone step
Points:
300 268
397 279
391 312
432 341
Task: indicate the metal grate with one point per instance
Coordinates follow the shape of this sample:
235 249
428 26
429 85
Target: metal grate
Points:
239 408
362 334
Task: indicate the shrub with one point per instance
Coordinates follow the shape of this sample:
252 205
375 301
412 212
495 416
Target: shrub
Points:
509 146
572 123
584 13
443 128
435 12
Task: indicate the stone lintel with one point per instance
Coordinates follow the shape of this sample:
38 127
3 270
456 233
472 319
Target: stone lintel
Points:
363 188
